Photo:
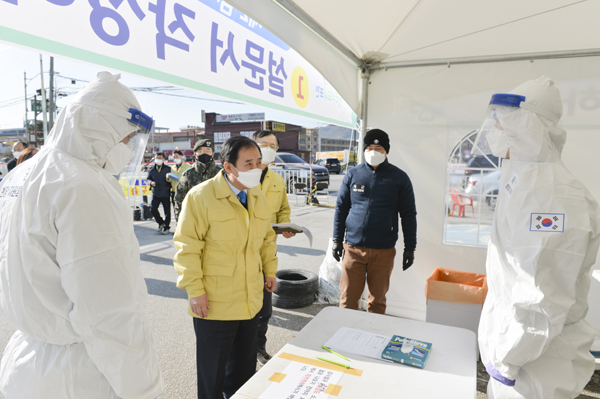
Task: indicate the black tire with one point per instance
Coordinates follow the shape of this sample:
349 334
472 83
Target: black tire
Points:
295 289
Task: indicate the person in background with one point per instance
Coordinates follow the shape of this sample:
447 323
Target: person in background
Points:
18 147
70 278
224 241
161 192
273 187
27 153
179 169
370 198
203 170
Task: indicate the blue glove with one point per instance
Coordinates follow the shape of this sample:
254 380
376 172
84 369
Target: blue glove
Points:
495 374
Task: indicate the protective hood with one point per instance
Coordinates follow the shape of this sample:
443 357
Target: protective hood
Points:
89 127
533 131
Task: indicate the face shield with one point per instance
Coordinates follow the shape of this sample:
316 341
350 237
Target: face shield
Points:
493 138
141 125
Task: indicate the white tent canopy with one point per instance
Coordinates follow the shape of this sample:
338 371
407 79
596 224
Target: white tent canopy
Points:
392 33
431 67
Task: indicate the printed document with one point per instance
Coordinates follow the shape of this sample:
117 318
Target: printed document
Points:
357 342
294 228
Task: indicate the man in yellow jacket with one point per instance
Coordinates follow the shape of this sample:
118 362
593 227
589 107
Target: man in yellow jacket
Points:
225 241
274 188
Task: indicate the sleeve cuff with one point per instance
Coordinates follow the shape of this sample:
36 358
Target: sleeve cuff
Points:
195 293
495 374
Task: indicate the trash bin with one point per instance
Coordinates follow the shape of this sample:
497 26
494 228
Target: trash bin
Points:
455 298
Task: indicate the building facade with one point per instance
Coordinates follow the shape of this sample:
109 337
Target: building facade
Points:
308 141
167 142
287 134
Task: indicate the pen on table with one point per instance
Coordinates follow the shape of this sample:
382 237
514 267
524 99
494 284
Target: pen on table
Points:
331 361
335 353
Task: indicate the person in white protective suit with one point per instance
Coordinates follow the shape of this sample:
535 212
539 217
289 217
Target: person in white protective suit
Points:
533 338
70 280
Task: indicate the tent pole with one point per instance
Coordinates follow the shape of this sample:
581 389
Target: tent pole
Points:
489 59
366 75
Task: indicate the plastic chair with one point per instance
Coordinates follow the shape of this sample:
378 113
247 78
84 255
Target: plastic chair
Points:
462 201
300 187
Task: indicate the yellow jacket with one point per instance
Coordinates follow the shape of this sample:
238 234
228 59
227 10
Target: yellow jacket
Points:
222 249
273 187
179 172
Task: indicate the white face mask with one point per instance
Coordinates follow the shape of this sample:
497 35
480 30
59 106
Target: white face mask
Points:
249 179
498 141
117 158
268 155
158 162
16 154
374 158
177 161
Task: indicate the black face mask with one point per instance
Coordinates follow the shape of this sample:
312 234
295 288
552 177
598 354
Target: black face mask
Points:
204 158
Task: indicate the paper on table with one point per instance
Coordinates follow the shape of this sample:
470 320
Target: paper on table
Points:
281 227
350 340
302 381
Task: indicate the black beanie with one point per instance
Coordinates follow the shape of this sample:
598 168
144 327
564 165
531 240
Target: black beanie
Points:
377 136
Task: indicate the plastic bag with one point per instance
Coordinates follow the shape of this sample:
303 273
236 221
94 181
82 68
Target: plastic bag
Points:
456 286
330 274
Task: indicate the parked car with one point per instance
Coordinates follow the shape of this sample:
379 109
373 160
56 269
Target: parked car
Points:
480 161
285 161
332 164
485 186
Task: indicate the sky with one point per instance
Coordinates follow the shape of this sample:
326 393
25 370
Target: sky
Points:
174 109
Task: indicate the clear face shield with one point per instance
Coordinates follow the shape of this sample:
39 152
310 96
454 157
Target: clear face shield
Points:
492 139
141 125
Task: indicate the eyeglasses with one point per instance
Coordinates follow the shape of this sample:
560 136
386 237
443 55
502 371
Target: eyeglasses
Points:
274 147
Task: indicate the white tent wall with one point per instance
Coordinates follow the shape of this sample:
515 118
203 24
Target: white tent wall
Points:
427 110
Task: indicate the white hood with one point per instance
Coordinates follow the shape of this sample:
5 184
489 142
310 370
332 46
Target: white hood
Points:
90 126
535 137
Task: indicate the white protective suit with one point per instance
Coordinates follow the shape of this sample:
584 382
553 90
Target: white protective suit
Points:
544 242
70 279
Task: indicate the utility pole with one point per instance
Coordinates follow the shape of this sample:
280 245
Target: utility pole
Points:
35 114
25 120
51 119
43 101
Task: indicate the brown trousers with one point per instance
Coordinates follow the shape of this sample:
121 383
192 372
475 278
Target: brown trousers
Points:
377 265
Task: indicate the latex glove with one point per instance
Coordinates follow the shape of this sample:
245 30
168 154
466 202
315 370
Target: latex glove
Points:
495 374
338 249
408 258
270 283
200 306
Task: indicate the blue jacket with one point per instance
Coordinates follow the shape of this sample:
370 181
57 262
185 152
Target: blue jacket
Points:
163 187
368 205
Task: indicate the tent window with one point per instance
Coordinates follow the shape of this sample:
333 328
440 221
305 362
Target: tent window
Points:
471 195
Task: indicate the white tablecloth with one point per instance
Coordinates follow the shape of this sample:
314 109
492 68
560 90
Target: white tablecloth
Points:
451 371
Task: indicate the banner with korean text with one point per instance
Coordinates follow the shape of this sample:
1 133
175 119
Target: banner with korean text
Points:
204 45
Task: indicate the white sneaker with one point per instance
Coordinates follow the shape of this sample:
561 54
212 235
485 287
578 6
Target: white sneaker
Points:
160 228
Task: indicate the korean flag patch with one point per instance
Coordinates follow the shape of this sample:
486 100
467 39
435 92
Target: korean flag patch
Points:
547 222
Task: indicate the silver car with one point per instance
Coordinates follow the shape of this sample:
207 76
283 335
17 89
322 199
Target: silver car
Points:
484 185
